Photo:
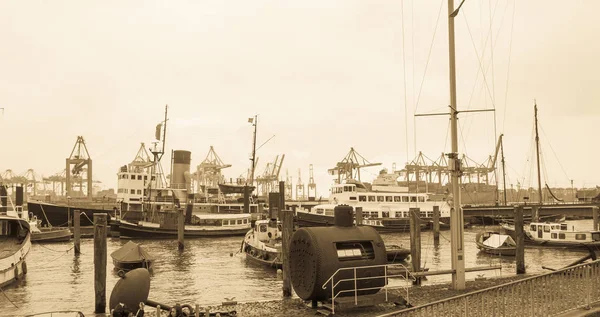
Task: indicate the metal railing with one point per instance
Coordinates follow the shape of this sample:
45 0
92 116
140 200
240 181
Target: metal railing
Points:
406 275
547 294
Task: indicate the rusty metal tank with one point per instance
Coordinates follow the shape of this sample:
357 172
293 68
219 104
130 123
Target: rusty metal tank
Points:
316 253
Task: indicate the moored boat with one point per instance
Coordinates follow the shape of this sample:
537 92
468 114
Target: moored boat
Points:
396 253
15 241
131 256
495 243
556 234
262 244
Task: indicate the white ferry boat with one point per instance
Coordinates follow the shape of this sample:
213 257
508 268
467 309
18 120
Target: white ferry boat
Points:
556 234
384 207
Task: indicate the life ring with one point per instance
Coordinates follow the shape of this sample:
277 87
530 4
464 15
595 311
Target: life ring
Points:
189 307
252 253
24 267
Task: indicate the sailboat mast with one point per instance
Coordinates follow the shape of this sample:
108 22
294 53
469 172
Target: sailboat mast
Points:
456 214
253 151
537 151
503 171
164 133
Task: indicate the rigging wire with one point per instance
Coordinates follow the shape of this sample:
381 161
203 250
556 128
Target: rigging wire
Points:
512 24
553 152
404 79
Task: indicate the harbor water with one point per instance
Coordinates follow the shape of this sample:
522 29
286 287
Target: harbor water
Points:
211 270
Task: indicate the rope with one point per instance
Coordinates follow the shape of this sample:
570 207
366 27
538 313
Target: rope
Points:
54 259
404 80
43 212
8 298
45 247
83 213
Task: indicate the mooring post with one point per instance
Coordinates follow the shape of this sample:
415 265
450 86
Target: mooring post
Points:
207 311
77 231
100 229
436 223
595 217
358 216
157 310
288 229
180 229
281 197
520 235
415 242
196 311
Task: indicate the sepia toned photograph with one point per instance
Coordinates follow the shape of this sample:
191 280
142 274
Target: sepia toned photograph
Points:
382 158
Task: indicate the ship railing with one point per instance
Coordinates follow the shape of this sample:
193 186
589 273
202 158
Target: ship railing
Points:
405 275
555 293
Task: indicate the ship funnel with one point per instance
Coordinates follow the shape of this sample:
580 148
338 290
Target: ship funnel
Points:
180 179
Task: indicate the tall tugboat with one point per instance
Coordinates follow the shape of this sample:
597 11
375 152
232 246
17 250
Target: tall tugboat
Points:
15 238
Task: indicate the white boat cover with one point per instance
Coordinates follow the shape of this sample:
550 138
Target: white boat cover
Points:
499 240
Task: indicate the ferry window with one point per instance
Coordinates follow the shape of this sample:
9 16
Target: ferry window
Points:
379 198
421 199
371 198
413 199
346 188
319 211
405 199
398 214
532 228
145 177
546 228
145 192
553 235
153 178
245 221
563 226
132 176
239 221
139 191
362 198
388 198
397 199
263 228
125 176
132 191
385 214
580 236
280 227
561 235
352 197
139 177
595 236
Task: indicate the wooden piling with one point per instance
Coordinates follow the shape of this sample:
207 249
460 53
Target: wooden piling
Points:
197 311
436 223
415 242
207 312
535 213
100 230
595 216
358 216
281 197
157 310
520 239
246 199
77 231
180 229
288 228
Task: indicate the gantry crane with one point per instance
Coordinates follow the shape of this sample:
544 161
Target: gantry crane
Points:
349 167
267 182
300 193
312 186
75 164
208 172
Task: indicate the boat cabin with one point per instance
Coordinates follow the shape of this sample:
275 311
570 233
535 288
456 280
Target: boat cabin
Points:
559 232
265 231
222 220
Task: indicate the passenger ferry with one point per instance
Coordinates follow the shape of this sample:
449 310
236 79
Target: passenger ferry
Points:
386 208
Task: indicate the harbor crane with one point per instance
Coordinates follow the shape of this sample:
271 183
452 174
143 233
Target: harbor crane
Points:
208 172
268 181
75 163
312 186
349 167
300 194
288 186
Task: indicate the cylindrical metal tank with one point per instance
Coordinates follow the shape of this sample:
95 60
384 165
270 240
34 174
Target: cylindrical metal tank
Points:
181 165
316 253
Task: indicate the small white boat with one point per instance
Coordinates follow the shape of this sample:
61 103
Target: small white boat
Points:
556 234
15 243
47 234
496 243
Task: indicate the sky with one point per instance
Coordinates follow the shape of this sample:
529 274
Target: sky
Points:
322 76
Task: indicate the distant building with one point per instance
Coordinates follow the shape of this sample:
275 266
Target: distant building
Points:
588 194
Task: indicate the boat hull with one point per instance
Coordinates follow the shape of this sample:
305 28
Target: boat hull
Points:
130 230
58 215
13 265
262 257
501 250
305 219
51 235
128 266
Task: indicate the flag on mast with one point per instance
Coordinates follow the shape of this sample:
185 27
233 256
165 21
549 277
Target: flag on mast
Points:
158 130
251 120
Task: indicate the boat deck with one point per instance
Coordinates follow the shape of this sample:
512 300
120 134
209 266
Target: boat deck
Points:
8 246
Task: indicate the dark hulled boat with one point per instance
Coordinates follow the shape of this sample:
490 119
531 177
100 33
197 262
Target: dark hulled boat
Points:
131 256
53 215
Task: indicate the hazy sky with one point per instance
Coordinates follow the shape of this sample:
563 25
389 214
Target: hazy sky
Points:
322 75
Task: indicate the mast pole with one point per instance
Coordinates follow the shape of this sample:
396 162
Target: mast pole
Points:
537 151
456 213
164 133
253 151
503 171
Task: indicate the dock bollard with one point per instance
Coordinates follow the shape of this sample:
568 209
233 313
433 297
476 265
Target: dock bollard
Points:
100 228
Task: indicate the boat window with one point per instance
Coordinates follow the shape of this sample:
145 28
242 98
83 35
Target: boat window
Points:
404 199
546 228
388 198
352 197
319 211
245 221
139 177
532 228
421 199
362 198
561 236
263 228
380 198
153 178
139 191
580 236
553 235
397 199
371 198
125 176
596 236
239 221
413 199
132 191
385 214
346 188
145 193
563 226
145 177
